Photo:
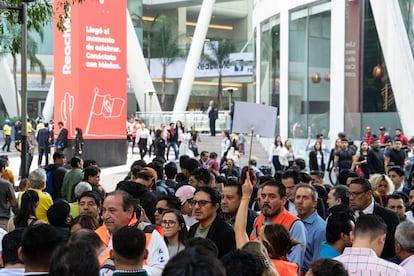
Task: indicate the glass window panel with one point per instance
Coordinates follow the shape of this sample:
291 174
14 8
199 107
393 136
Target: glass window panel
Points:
309 63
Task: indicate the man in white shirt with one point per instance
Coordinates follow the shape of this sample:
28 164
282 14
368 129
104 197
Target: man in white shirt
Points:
404 245
368 243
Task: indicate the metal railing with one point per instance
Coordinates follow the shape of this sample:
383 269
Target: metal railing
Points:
198 119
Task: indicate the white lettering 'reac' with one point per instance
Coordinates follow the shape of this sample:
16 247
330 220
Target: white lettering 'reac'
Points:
67 39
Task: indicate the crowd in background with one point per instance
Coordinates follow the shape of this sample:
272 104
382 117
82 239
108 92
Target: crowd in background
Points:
202 213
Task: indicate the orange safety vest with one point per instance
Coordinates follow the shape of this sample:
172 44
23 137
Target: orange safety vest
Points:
284 218
105 238
285 268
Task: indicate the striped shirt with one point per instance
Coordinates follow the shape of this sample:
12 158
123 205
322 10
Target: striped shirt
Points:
364 261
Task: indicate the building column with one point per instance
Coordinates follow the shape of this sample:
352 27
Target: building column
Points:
7 93
137 69
194 54
398 57
182 27
47 111
284 73
337 86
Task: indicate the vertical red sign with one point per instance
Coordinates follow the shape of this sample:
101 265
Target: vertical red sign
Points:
353 56
90 69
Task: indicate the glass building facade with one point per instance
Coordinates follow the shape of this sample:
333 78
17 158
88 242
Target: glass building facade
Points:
297 38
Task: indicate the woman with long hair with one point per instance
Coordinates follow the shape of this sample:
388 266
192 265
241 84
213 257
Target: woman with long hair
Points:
26 216
258 249
291 150
175 231
332 154
152 146
184 139
316 160
382 187
195 139
359 160
78 142
278 243
83 221
274 153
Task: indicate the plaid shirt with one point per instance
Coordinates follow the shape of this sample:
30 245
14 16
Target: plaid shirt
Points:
364 261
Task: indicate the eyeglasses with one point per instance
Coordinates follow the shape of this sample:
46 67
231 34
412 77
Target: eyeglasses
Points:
168 223
189 202
200 203
355 194
160 210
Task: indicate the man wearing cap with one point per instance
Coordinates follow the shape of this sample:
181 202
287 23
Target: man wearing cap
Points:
186 193
55 174
383 136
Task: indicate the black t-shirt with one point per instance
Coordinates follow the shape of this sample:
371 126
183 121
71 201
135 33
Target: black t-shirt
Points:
396 156
345 158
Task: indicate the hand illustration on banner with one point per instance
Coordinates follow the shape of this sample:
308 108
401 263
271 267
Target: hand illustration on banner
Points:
66 108
105 111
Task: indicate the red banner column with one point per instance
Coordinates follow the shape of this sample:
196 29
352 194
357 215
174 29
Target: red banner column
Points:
90 75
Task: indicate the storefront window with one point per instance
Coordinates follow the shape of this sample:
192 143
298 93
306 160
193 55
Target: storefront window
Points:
309 71
270 63
378 104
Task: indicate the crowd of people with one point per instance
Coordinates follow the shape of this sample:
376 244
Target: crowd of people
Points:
205 215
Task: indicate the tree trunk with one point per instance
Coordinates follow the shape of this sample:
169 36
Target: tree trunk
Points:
164 78
220 92
149 53
15 86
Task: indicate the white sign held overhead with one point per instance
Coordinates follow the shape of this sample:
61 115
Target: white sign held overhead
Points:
261 118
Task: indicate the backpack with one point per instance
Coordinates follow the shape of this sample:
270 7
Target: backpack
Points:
49 182
163 189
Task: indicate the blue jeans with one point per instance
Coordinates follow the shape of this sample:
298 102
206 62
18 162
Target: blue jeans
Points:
174 146
276 163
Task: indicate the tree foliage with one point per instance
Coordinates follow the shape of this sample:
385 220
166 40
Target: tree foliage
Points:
164 42
219 58
39 13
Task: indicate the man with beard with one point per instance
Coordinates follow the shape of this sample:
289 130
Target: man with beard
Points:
273 199
410 214
375 158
